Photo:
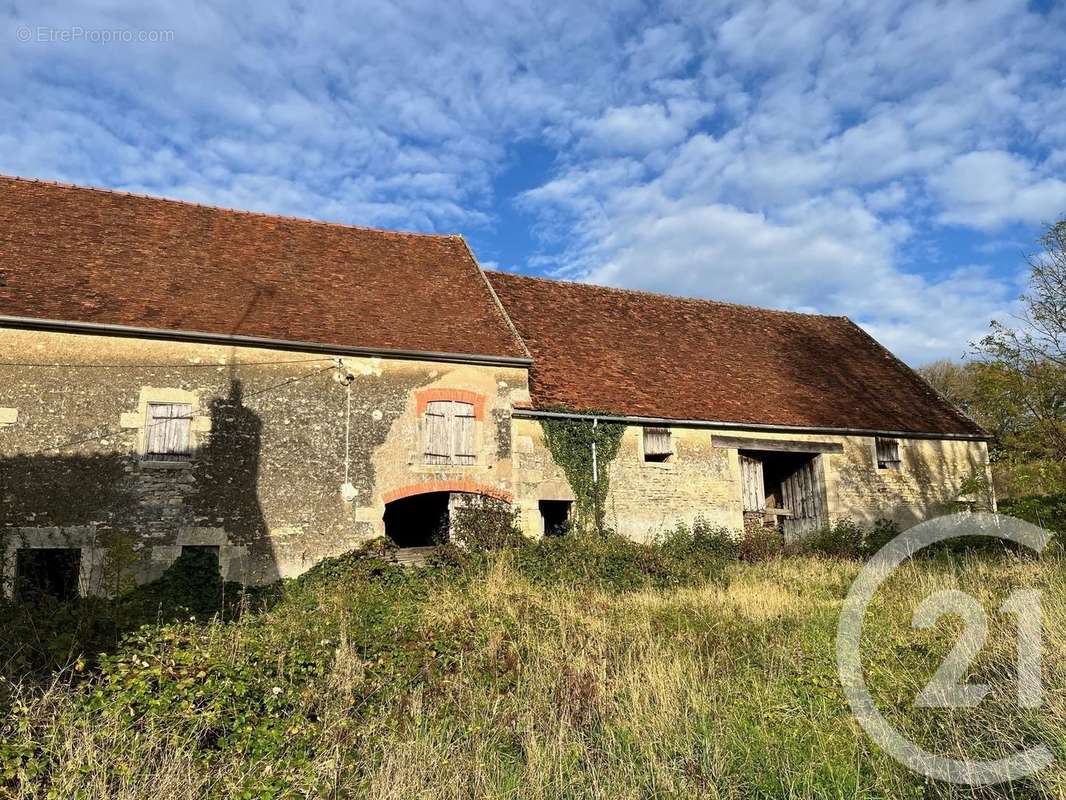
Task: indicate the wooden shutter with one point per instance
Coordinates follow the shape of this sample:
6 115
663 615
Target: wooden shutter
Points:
168 434
751 481
463 428
657 442
887 452
803 494
436 436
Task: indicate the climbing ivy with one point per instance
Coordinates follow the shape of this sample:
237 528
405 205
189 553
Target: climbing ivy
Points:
570 443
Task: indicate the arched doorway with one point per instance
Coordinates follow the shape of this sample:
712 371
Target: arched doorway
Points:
420 520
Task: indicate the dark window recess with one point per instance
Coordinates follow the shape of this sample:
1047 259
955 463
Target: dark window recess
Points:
887 454
556 516
658 445
47 572
198 551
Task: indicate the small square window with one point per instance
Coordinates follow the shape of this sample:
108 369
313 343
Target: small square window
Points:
198 551
168 432
658 444
887 454
556 516
47 572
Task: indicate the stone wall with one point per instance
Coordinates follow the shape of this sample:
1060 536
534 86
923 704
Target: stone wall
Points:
703 480
267 481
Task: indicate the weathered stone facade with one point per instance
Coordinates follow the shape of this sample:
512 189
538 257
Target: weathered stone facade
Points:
703 480
283 475
267 482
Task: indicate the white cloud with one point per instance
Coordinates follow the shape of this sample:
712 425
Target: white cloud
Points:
770 152
992 187
639 129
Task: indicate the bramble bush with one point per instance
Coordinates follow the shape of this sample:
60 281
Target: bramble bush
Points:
613 563
45 635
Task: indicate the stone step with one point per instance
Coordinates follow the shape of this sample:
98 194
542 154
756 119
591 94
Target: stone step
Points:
413 556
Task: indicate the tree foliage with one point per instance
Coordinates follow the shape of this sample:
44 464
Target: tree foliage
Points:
1015 387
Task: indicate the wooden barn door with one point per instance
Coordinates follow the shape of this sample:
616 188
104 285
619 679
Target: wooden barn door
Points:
803 494
751 481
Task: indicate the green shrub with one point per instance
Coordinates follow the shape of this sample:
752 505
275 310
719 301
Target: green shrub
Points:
761 544
481 524
613 563
702 542
840 539
40 637
1047 511
882 532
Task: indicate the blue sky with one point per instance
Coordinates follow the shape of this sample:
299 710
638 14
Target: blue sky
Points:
890 162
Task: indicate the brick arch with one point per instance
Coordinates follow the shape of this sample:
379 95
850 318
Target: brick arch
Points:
426 396
467 487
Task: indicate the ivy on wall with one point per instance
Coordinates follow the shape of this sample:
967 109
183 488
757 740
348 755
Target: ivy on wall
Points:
570 443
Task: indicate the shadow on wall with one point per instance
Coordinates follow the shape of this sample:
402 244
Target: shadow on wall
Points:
927 472
227 483
98 501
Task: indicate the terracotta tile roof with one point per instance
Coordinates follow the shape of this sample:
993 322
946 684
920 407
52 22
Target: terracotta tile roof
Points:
650 355
88 255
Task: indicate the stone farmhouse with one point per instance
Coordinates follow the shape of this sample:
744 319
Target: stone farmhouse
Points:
278 391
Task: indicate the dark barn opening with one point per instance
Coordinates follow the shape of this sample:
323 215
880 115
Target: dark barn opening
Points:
786 488
556 516
47 572
418 521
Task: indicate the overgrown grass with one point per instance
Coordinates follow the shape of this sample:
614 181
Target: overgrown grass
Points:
503 675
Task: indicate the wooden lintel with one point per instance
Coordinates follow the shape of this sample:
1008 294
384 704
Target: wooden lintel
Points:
776 445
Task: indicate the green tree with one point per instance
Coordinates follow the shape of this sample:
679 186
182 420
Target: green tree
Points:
1020 376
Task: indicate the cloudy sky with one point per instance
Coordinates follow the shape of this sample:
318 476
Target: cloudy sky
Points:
891 163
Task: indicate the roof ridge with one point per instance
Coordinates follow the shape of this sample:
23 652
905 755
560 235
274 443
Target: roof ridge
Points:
226 209
668 296
496 298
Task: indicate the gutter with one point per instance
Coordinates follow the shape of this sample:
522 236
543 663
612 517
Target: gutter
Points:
529 413
129 331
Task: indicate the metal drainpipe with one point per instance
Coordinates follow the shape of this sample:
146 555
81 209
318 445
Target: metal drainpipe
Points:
595 470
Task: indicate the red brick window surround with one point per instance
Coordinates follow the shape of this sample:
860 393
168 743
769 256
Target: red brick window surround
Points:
464 486
427 396
448 422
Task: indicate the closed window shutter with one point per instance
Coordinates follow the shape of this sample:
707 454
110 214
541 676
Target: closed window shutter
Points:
887 452
464 433
448 433
657 442
169 431
436 433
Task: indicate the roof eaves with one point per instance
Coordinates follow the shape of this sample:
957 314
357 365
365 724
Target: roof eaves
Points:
163 334
606 416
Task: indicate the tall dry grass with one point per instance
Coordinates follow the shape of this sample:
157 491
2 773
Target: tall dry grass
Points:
564 693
